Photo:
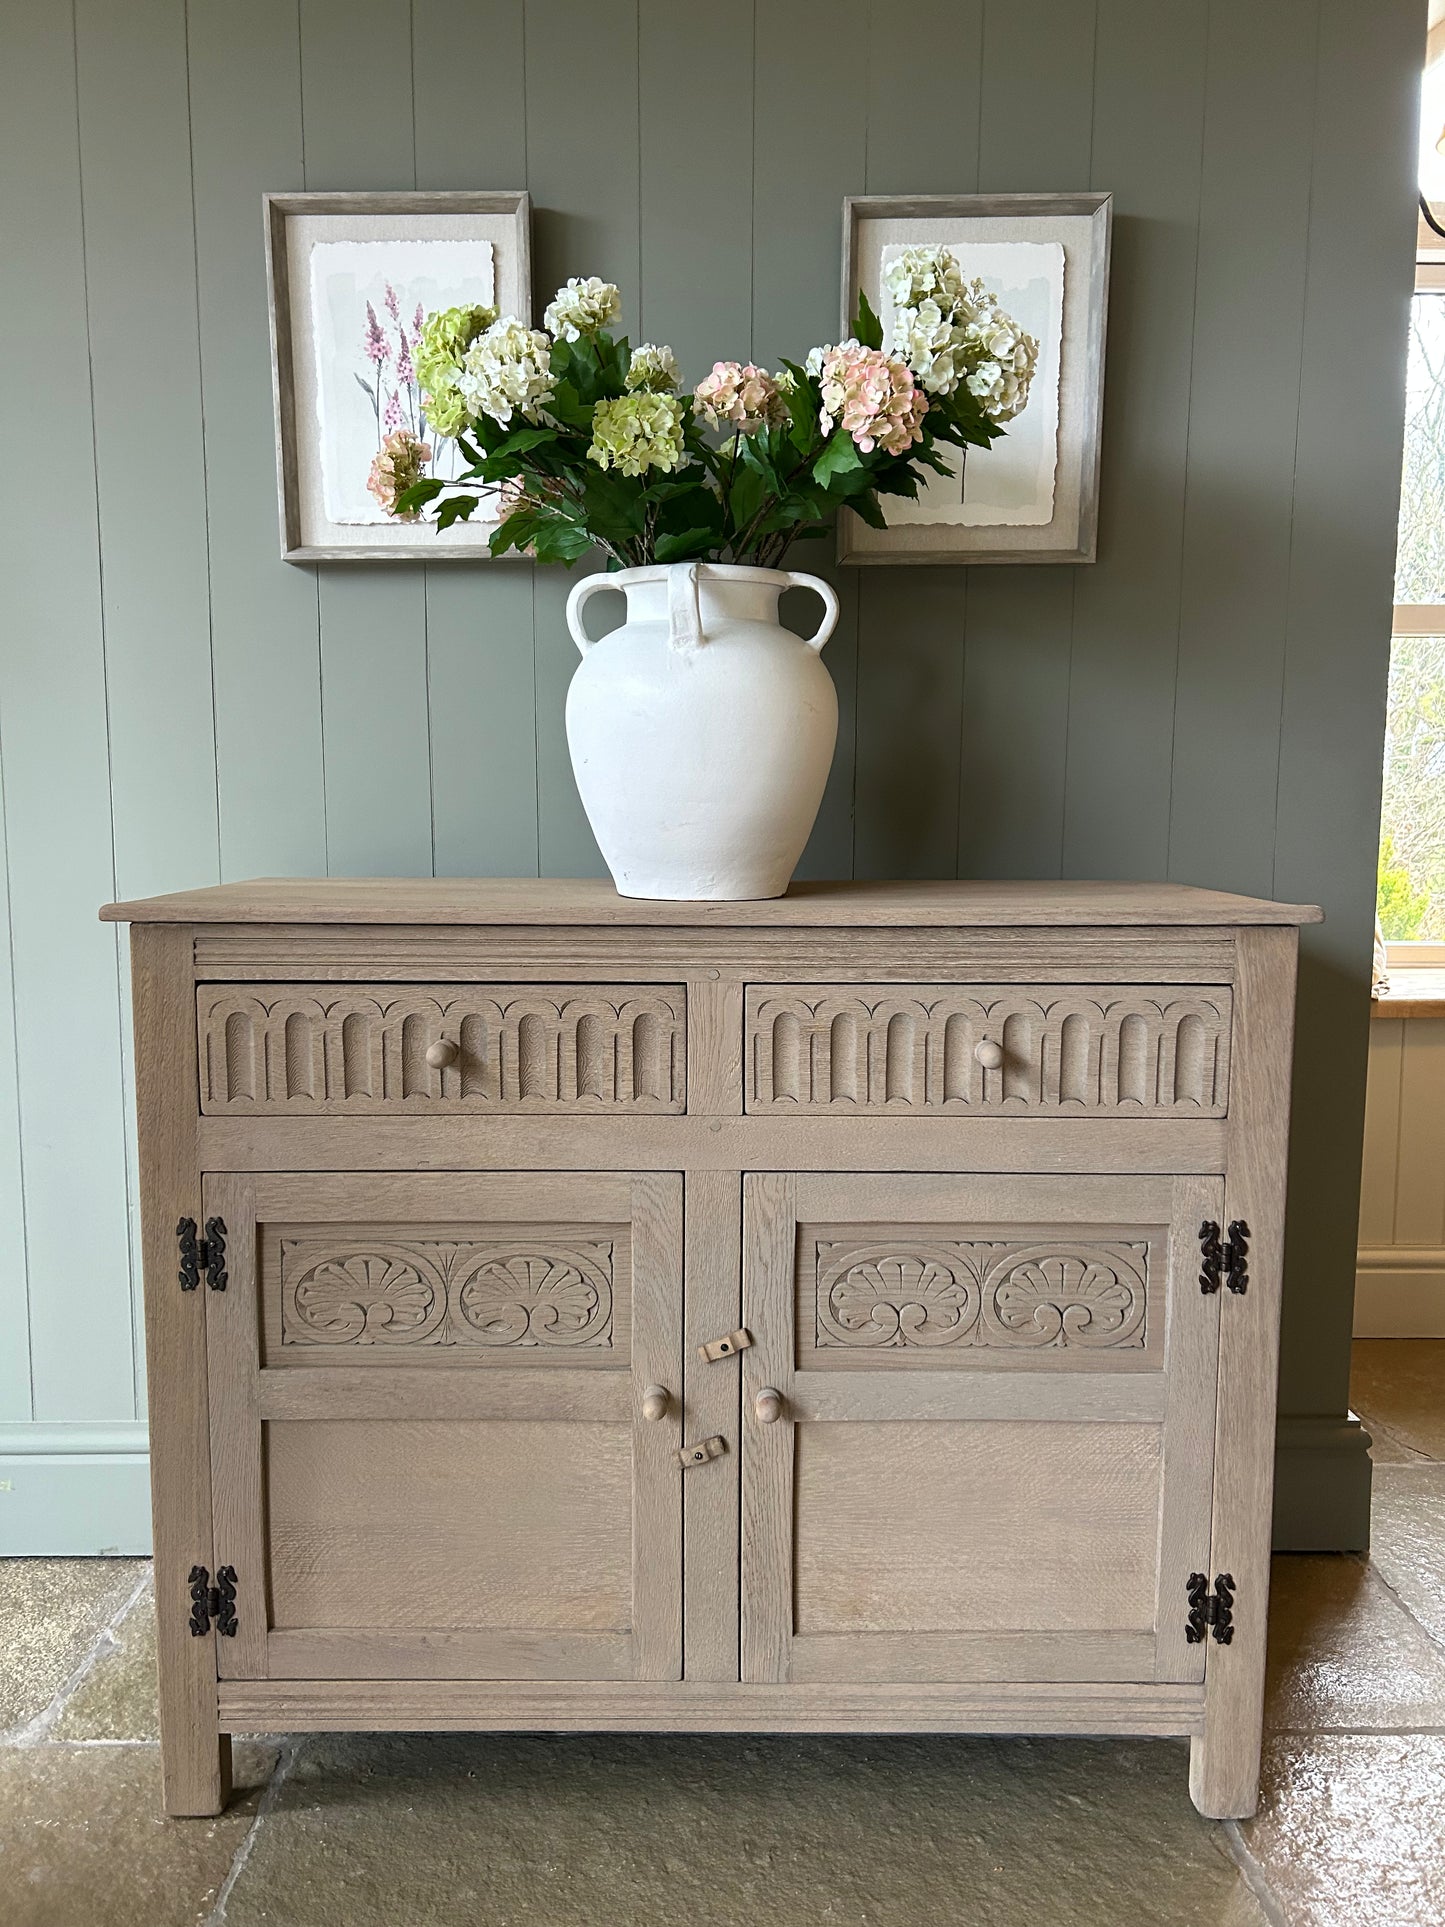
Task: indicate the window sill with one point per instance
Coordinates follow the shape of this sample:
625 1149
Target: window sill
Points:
1415 991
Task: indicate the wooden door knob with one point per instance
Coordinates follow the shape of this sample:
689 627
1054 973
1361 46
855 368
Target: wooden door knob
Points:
655 1402
768 1405
988 1053
442 1054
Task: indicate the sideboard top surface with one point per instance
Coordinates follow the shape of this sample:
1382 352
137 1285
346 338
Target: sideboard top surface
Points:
593 901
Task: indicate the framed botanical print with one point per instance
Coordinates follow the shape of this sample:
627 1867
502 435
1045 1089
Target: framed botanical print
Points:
351 278
1008 292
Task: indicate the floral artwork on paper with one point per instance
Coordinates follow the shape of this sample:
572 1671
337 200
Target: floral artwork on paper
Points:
1010 484
368 300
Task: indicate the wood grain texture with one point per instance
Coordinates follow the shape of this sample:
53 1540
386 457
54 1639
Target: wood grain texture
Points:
760 1143
268 1706
364 1052
588 902
1224 1764
195 1762
712 1393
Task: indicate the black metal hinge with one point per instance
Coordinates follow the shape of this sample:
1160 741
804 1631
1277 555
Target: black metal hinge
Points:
1224 1263
1210 1611
210 1602
206 1254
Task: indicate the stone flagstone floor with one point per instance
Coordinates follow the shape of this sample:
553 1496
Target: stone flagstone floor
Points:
633 1831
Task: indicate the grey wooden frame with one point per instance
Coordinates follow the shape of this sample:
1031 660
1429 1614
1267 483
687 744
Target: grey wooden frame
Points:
1098 206
278 209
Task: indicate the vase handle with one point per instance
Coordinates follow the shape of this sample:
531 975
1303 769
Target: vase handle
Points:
588 586
830 605
684 616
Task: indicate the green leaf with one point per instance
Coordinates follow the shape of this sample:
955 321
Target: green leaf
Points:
867 327
866 508
840 455
685 546
419 494
456 508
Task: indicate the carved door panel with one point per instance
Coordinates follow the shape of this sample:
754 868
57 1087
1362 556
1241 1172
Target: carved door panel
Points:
439 1442
978 1426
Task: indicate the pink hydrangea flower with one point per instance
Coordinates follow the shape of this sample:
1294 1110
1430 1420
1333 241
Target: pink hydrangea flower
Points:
739 395
399 462
873 396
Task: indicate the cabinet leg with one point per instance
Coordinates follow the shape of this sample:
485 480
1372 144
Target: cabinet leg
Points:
1224 1771
195 1773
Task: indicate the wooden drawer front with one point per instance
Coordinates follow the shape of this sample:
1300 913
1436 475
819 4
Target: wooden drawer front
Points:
1097 1050
360 1050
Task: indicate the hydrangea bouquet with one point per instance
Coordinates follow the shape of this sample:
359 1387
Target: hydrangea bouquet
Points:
589 443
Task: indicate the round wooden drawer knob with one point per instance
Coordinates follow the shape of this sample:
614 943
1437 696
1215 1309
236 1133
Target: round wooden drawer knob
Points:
654 1402
442 1054
989 1054
768 1405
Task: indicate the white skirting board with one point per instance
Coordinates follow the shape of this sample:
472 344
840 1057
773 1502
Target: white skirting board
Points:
1400 1291
74 1491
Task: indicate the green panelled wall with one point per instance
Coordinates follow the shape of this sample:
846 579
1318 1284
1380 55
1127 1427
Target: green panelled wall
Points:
178 706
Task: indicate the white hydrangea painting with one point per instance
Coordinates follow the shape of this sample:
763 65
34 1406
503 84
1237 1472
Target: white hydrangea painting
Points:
1011 484
366 303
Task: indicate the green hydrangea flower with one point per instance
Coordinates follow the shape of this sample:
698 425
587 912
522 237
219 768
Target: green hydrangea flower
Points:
444 339
637 432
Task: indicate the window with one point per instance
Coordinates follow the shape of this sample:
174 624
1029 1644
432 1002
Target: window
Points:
1411 899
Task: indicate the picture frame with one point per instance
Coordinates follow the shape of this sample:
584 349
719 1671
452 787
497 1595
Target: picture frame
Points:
1036 492
348 277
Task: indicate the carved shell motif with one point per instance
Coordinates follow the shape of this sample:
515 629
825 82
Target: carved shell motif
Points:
487 1293
945 1292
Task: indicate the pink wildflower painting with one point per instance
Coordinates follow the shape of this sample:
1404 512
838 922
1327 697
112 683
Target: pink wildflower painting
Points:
391 387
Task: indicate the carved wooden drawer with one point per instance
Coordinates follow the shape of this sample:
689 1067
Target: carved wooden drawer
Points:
1099 1050
374 1050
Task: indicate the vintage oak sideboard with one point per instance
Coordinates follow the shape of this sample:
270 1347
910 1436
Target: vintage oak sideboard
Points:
856 1312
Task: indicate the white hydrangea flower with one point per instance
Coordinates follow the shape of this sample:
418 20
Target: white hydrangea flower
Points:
921 274
952 332
581 308
654 369
507 370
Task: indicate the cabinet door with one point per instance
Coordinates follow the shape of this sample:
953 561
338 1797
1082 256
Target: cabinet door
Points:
991 1448
431 1455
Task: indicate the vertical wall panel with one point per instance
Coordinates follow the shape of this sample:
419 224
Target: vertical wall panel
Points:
57 770
582 168
481 693
923 139
1346 484
1035 135
1258 124
696 172
14 1305
145 365
1382 1131
245 101
356 81
803 165
1148 113
1206 701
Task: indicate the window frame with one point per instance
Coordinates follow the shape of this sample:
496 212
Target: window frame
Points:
1420 618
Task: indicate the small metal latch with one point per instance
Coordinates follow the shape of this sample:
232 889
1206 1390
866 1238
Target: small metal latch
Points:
717 1348
702 1450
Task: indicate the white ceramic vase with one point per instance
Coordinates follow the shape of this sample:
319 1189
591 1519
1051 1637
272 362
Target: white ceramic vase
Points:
702 731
